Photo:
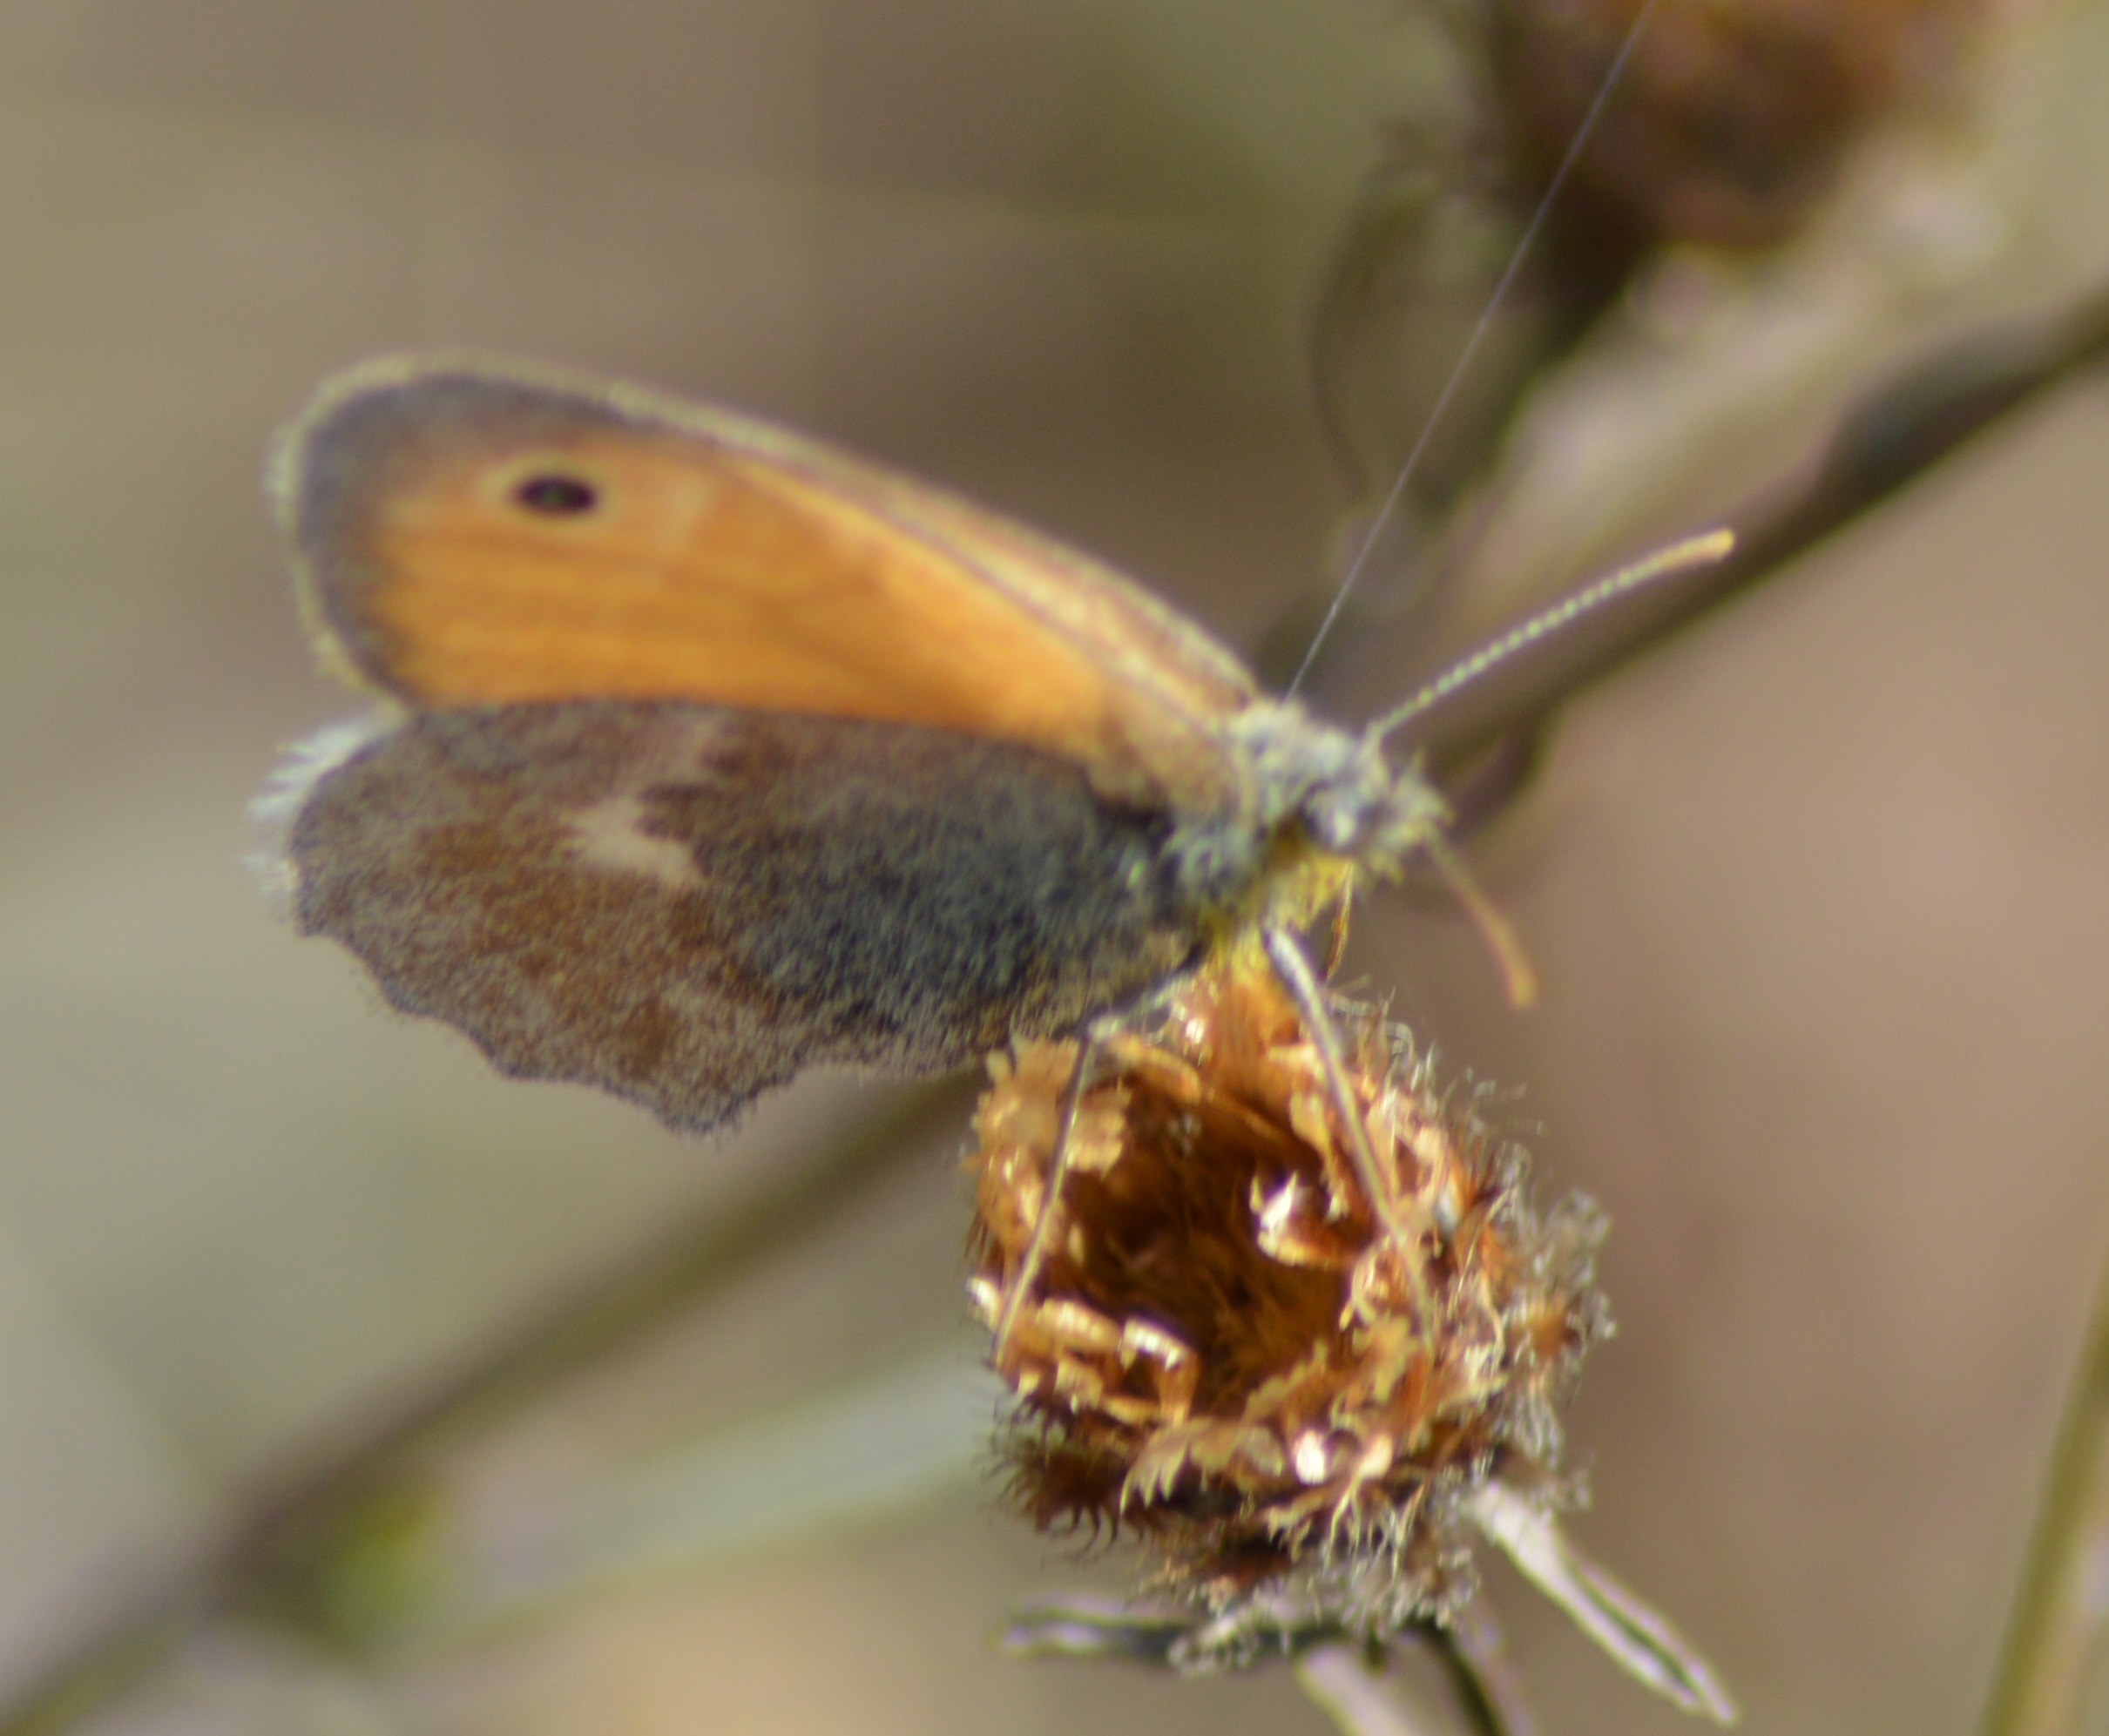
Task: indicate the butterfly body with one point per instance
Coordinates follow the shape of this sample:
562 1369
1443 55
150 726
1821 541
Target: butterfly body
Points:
708 753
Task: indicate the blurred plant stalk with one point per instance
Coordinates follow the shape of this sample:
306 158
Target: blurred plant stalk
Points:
342 1541
2054 1669
1785 206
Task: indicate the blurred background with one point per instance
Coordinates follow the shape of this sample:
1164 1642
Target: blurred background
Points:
1817 893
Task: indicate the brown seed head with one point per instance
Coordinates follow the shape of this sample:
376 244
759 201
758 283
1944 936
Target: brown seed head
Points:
1229 1355
1733 120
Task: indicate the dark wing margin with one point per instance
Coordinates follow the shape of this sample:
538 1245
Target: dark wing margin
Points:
685 904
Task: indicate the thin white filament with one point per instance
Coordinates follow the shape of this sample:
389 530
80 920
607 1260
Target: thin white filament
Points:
1472 346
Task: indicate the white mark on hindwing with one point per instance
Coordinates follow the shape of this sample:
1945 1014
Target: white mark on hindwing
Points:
614 835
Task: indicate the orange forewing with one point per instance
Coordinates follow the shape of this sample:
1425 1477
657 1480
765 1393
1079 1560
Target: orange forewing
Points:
724 561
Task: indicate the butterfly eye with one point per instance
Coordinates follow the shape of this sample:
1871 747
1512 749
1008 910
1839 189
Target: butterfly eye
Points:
557 496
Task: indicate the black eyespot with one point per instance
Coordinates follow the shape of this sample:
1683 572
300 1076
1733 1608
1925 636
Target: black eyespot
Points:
559 496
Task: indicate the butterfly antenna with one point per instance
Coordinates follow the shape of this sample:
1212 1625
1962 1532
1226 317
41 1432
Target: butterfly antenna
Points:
1704 550
1517 976
1509 275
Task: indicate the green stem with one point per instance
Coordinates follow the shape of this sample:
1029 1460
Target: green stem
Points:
2050 1672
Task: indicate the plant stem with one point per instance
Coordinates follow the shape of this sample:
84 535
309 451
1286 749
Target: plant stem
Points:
2051 1672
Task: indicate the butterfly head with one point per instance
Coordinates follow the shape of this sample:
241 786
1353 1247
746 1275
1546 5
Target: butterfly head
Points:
1325 805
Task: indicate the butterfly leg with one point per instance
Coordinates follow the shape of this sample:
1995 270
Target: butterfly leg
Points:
1089 1042
1286 953
1337 948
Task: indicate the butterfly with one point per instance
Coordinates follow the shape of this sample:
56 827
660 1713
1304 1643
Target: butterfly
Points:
705 753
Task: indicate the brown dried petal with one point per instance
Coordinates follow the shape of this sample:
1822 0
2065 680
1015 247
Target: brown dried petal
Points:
1226 1351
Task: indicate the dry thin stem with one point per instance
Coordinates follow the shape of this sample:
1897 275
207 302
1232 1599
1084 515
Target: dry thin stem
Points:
1887 442
293 1515
1488 1684
2050 1672
1354 1688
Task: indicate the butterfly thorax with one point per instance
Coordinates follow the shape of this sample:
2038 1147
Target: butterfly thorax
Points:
1319 804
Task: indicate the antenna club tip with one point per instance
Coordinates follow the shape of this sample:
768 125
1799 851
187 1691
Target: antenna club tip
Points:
1703 550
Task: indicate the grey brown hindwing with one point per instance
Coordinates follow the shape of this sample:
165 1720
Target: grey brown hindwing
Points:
685 904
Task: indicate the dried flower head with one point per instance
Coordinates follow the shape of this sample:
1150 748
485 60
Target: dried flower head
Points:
1291 1393
1732 120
